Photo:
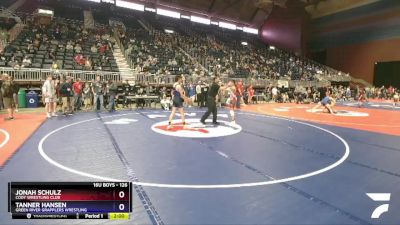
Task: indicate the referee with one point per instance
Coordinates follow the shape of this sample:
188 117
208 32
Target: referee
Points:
211 102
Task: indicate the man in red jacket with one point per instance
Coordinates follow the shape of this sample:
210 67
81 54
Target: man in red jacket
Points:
77 87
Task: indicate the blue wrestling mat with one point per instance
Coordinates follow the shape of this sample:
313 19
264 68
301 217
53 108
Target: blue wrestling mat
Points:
261 170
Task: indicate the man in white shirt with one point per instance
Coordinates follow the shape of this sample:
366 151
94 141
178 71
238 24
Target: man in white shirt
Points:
198 93
50 98
274 94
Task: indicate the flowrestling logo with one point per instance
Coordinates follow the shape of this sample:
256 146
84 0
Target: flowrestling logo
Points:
379 197
194 129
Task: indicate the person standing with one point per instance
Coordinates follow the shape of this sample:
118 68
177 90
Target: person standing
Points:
7 93
178 95
198 94
204 91
191 92
232 100
1 94
211 102
58 83
126 90
274 94
77 87
112 93
15 93
87 96
240 92
250 89
50 97
98 92
66 96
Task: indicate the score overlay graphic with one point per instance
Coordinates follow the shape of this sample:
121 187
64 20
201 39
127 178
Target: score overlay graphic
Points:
70 200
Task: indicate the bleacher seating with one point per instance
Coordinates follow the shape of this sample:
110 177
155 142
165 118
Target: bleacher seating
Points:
155 53
60 43
221 52
194 49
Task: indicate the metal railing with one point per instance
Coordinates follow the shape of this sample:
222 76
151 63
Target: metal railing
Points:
40 75
155 79
31 74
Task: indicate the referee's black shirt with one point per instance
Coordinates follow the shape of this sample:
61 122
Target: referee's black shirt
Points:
213 92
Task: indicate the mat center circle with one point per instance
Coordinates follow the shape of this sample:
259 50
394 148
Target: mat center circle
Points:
195 129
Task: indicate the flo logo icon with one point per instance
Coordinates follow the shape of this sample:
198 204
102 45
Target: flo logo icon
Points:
379 197
195 129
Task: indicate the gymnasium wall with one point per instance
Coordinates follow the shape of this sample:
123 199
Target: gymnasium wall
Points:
353 40
359 59
285 28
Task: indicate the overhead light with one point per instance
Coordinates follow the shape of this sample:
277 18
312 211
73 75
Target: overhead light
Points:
239 28
271 47
97 1
250 30
150 9
168 31
244 43
169 13
227 25
214 23
185 17
130 5
46 12
108 1
200 20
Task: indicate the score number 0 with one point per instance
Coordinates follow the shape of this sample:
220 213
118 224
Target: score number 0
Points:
121 195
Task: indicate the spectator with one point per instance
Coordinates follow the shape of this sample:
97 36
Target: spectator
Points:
26 62
54 66
79 59
126 91
15 93
250 94
7 88
87 96
198 94
93 49
102 49
51 54
69 46
1 93
191 92
50 97
112 93
166 103
58 83
88 64
77 87
98 93
67 97
274 94
78 48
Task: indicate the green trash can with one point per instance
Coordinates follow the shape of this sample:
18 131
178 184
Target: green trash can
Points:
22 98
